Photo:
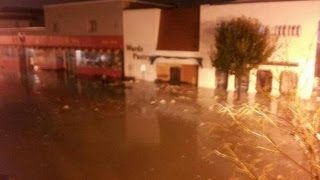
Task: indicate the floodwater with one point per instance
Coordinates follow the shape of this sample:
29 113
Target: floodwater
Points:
56 126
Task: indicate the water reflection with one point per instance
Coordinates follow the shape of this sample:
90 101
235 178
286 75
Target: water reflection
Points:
79 128
67 127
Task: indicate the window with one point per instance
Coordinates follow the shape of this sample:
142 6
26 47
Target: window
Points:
93 26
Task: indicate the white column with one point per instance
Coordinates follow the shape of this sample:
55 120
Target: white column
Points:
252 81
231 83
305 85
275 91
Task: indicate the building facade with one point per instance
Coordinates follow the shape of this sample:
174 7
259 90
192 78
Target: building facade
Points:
84 38
293 66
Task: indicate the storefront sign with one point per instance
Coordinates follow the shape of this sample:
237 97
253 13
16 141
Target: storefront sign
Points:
137 52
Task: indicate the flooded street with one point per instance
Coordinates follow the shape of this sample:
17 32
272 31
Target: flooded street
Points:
55 126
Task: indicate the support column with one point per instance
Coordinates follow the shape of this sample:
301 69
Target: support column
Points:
231 83
252 81
305 85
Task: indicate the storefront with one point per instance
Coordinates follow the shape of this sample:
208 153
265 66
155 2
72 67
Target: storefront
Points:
96 56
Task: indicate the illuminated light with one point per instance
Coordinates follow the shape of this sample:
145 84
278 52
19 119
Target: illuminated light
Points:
78 56
103 57
36 79
143 68
36 68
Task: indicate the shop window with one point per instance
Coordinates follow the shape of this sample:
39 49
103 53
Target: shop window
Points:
264 81
163 72
221 79
288 82
102 59
93 26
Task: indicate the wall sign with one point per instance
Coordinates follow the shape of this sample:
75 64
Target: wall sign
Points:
284 30
137 52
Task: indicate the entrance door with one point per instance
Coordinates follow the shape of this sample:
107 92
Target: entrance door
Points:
175 75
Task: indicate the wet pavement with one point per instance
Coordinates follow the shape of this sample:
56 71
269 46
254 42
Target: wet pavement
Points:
56 126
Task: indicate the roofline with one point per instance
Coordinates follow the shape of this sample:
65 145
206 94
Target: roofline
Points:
105 1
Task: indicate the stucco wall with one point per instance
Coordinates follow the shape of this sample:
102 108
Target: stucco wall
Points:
294 49
141 29
73 18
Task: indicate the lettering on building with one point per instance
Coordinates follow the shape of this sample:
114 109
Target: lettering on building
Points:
137 52
284 30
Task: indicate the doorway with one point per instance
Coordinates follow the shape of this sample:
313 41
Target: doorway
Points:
175 75
264 81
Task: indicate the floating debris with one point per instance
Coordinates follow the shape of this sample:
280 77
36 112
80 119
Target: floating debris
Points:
163 101
66 107
153 102
173 101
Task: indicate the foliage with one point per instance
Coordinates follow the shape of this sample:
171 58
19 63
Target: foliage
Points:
281 144
241 44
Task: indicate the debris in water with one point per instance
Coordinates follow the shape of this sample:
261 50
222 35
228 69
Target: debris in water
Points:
153 102
66 107
163 101
173 101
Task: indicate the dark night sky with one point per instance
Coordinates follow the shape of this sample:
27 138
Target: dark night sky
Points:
40 3
29 3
